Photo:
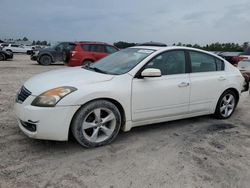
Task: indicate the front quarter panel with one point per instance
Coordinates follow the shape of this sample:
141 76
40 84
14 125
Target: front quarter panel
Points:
119 89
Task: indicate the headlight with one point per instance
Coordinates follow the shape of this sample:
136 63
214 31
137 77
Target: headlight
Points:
51 97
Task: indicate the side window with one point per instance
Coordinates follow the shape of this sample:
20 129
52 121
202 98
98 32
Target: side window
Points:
97 48
86 47
14 45
171 62
219 64
201 62
110 49
60 47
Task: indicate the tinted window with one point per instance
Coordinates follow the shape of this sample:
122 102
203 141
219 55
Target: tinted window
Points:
97 48
201 62
69 46
219 64
110 49
60 47
85 47
13 45
172 62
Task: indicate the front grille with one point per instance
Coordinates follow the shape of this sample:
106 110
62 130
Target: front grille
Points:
22 95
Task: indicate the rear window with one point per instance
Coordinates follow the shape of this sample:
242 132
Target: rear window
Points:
93 47
85 47
202 62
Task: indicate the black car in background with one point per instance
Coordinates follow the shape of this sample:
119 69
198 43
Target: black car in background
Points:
52 54
5 55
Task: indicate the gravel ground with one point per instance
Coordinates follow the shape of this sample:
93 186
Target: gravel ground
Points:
196 152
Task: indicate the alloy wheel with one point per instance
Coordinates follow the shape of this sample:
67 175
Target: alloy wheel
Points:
227 105
99 125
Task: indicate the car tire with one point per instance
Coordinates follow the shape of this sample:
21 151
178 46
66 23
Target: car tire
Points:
45 60
87 62
96 124
226 105
2 57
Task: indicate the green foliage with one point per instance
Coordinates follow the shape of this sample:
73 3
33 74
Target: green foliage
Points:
122 44
25 39
225 47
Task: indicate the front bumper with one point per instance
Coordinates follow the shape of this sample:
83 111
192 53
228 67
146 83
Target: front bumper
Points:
51 123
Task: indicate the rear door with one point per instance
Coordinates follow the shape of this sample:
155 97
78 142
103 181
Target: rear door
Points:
208 80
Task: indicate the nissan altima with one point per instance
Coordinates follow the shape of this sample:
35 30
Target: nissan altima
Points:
133 87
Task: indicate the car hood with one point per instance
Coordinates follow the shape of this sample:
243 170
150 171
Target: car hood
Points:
75 77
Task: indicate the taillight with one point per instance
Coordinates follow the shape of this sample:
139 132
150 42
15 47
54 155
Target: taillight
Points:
72 53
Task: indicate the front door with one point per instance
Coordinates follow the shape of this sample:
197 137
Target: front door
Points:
164 96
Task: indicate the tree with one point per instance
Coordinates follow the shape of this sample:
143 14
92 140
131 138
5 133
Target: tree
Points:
25 39
122 44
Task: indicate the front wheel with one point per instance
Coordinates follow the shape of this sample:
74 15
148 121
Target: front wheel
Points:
2 57
226 105
96 123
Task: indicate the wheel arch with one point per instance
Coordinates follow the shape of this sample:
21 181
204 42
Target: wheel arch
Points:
115 102
229 89
88 59
51 56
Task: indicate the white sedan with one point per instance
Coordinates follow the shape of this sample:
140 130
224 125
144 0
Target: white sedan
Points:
17 48
133 87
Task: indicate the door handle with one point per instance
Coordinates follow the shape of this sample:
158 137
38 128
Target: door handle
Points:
183 84
221 78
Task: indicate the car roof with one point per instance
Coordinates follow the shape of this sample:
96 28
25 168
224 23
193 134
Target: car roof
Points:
168 48
174 48
91 42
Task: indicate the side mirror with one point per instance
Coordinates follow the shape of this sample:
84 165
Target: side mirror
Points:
151 72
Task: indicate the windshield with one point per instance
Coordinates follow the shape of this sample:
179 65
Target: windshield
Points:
55 45
120 62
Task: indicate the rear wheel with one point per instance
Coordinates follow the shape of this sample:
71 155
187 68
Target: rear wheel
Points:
45 60
226 105
2 57
87 62
96 123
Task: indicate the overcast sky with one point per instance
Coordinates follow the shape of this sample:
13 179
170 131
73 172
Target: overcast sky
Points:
169 21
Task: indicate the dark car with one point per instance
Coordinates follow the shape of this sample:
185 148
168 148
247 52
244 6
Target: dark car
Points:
52 54
5 55
157 44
